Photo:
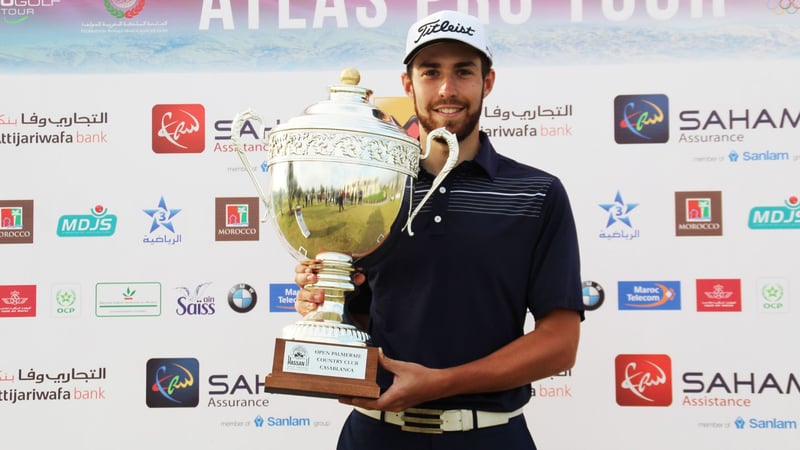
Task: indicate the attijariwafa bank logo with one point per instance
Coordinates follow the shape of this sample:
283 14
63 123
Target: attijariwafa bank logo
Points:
649 295
641 119
643 380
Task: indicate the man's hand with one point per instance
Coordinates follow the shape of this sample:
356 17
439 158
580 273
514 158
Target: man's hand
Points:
413 384
307 300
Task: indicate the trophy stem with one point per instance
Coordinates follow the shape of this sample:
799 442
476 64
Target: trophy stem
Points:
325 324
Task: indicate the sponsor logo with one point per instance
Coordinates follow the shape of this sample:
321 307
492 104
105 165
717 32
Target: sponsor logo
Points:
593 295
172 383
236 219
719 295
766 155
773 294
124 9
97 224
195 302
161 230
66 300
734 389
772 423
641 119
242 298
15 12
135 299
644 295
786 216
252 132
225 391
16 221
698 213
618 224
179 128
18 300
643 380
282 297
297 358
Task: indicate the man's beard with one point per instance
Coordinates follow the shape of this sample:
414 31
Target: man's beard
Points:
461 131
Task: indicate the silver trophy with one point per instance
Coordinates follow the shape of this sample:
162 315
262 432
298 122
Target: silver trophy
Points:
337 176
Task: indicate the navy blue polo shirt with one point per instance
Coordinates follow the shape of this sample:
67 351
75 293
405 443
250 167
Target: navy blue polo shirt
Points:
497 239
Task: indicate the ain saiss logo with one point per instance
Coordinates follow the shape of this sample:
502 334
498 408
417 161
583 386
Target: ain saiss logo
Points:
641 119
173 383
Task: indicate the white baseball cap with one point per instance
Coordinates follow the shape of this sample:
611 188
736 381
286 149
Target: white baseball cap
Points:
446 25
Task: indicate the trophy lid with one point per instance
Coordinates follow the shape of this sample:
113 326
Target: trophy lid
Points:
347 111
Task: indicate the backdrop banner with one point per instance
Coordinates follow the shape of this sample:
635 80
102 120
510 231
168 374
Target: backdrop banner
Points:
142 289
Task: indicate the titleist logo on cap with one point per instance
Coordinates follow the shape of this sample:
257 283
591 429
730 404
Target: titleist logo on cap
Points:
442 26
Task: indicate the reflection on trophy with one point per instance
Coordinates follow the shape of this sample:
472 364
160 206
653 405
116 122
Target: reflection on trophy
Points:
337 175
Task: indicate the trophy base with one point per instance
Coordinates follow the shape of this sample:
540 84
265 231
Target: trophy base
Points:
319 369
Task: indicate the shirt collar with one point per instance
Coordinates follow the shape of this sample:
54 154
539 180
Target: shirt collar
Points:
487 157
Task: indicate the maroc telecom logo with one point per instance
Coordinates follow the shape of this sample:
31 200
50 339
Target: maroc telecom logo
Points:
643 380
649 295
641 119
179 128
172 383
16 221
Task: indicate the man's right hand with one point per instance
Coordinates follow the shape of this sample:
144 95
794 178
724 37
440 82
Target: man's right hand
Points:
307 300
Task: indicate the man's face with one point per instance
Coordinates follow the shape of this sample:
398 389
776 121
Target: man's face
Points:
447 88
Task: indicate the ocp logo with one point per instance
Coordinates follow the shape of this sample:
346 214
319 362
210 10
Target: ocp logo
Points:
641 119
99 223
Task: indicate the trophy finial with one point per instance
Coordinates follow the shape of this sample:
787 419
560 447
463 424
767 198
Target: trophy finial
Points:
350 76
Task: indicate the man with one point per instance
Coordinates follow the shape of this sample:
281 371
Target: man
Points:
447 306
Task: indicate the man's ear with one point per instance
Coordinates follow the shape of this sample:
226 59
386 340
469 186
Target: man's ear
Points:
488 83
407 86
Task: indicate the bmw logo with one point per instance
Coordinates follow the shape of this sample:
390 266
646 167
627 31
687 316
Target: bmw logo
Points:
593 295
242 298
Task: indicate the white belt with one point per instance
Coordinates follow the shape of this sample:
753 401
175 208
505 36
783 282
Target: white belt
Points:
436 421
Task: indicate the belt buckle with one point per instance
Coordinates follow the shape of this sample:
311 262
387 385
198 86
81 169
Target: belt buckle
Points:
422 420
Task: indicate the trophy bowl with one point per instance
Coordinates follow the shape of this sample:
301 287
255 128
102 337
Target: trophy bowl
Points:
337 177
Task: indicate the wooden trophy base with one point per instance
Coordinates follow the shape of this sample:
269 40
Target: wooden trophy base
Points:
320 369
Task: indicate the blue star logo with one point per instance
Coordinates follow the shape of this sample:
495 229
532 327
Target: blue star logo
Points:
618 211
162 216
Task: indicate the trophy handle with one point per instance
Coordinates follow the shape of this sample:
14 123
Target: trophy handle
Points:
452 159
236 137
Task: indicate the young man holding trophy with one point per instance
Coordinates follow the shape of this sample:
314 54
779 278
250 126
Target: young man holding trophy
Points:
446 295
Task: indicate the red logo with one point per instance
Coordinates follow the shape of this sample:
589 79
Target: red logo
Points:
18 301
643 380
719 295
179 128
